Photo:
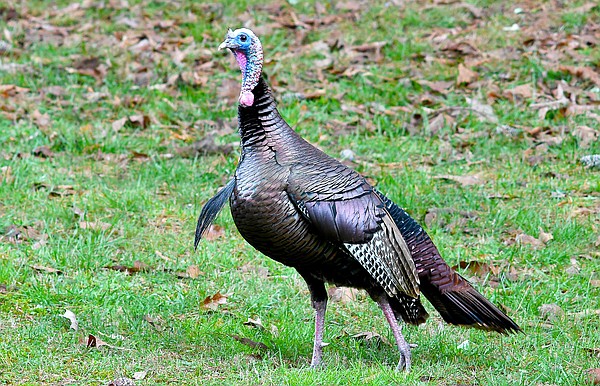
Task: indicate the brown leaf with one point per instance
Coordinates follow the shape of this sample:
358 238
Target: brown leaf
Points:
479 268
594 351
586 73
205 146
95 225
250 343
138 266
42 121
518 93
72 318
545 237
465 75
92 341
41 268
586 136
442 87
371 337
214 232
529 240
122 381
551 311
43 151
484 112
6 174
594 376
463 180
254 323
193 271
213 302
342 294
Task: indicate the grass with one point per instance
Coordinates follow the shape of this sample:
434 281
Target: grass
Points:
146 197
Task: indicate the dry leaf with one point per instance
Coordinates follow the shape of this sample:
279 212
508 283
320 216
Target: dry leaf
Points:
250 343
139 375
342 294
483 111
122 381
42 268
586 136
213 302
529 240
193 271
254 323
551 311
71 316
518 93
594 376
478 268
43 151
586 73
465 75
214 232
94 225
138 266
371 337
463 180
545 237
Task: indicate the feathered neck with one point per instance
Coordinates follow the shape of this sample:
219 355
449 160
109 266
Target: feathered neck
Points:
258 121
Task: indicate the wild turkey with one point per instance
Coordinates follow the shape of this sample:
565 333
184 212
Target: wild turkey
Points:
306 210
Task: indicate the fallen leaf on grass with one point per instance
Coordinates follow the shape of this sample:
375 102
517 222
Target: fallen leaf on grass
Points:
594 376
213 302
463 180
478 268
550 311
137 120
41 268
518 93
485 112
205 146
594 351
586 73
138 266
371 337
214 232
93 341
71 316
250 342
254 323
465 75
586 136
523 238
193 271
342 294
155 321
122 381
139 375
95 225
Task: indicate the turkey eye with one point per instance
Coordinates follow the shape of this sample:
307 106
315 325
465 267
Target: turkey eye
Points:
243 38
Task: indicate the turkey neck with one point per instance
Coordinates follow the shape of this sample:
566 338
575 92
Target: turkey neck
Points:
260 125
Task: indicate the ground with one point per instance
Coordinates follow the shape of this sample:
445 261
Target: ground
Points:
117 122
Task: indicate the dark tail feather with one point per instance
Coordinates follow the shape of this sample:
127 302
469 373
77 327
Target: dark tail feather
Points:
451 295
410 310
211 209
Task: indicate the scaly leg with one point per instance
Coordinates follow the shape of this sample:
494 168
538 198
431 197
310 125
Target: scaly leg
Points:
403 347
318 297
320 307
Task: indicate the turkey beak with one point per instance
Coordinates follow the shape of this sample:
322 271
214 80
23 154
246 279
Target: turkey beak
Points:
225 44
228 41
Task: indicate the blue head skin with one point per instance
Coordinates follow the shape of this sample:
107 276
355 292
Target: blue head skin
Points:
248 52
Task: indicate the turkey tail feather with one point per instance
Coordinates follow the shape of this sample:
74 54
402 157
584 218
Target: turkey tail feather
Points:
451 295
211 209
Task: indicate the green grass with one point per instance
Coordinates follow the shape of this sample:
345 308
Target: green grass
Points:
150 204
